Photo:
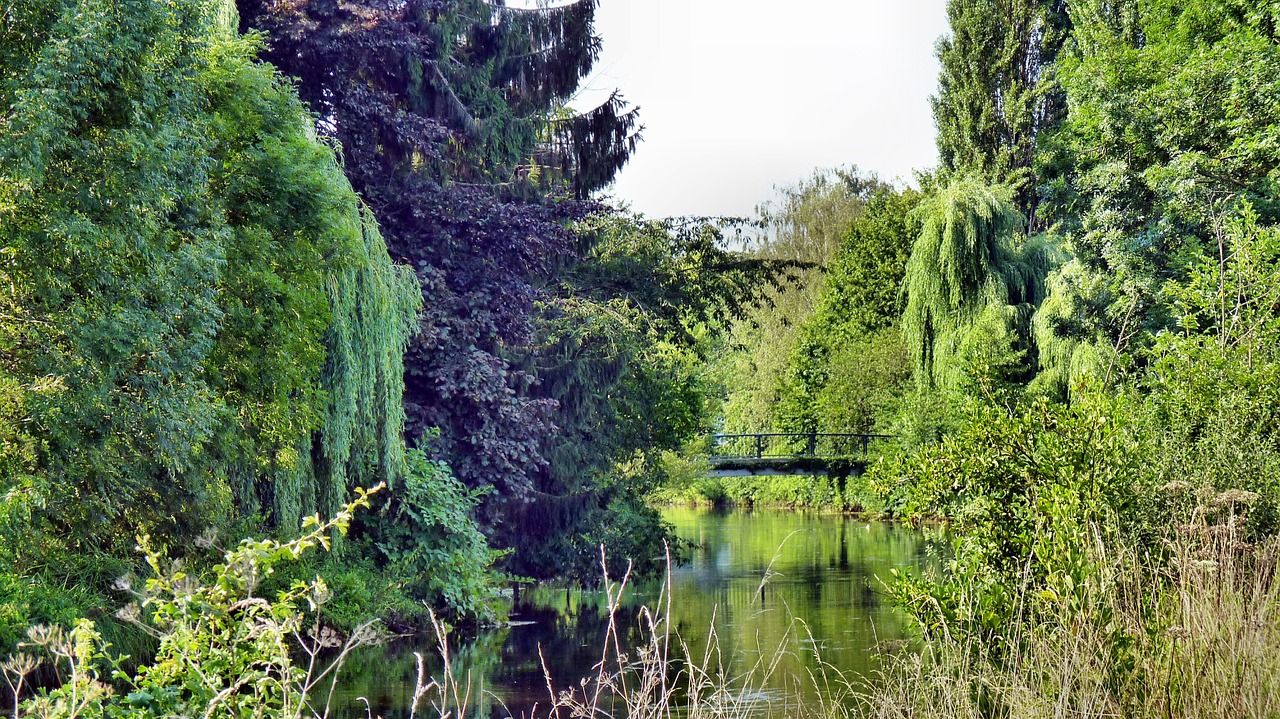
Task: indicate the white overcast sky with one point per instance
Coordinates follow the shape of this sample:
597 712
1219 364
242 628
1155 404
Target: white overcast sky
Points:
738 96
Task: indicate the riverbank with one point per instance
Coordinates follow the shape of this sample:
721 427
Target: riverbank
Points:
846 495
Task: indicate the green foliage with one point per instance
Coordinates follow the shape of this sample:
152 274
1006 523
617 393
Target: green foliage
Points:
431 544
621 354
223 650
997 90
1036 494
807 224
863 291
200 324
684 478
225 299
454 125
1068 353
1019 489
848 368
1169 129
971 286
798 492
123 281
1211 388
1103 427
374 313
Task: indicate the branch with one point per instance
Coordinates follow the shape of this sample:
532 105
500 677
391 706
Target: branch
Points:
539 6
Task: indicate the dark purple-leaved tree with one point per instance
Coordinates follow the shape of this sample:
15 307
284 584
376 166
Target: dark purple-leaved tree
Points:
452 121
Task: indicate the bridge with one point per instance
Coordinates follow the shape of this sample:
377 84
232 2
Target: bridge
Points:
791 453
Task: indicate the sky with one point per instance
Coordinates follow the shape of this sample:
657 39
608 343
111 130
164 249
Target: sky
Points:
738 96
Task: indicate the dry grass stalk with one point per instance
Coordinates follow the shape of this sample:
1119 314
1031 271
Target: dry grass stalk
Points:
1196 635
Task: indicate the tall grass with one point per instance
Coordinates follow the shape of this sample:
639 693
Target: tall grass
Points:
1188 629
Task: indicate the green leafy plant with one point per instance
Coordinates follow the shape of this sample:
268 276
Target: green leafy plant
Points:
432 545
222 649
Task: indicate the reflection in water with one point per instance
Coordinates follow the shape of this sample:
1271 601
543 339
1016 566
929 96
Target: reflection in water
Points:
822 599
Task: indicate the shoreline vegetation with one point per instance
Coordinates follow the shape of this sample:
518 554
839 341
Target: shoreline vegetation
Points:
256 257
1188 634
780 492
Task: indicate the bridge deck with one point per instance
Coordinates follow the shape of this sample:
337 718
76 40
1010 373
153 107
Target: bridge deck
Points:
790 453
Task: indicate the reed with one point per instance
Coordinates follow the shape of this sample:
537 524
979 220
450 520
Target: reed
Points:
664 677
1189 631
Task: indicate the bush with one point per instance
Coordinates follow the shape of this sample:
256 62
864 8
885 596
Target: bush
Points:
431 544
223 650
1019 488
1191 633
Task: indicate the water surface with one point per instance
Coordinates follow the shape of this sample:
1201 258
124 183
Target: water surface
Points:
822 601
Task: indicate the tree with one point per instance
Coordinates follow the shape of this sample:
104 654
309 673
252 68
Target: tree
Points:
200 322
1167 135
452 121
623 344
805 225
997 91
848 370
971 286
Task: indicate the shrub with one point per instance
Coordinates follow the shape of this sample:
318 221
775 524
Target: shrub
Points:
223 650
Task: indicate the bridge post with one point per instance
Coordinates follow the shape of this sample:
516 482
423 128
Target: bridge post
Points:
759 446
813 444
866 441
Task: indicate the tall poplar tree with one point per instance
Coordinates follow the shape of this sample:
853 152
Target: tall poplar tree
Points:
997 90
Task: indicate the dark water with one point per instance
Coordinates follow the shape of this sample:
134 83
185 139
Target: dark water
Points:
823 598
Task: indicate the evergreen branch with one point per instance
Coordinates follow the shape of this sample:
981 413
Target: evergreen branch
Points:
543 6
460 110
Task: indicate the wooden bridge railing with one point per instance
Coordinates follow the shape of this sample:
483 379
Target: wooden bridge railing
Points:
783 445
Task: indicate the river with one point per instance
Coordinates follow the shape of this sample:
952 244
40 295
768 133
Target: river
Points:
822 602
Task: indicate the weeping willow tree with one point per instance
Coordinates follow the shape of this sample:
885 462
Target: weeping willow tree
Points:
374 305
1069 352
338 421
227 340
972 285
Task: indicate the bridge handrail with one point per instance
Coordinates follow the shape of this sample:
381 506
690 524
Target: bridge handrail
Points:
802 434
721 441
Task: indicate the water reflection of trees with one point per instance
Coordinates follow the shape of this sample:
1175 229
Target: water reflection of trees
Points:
823 599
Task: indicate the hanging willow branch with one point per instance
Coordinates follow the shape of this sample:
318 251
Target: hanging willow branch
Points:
966 262
374 304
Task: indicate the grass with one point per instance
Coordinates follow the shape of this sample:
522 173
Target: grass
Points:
1190 630
1188 627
